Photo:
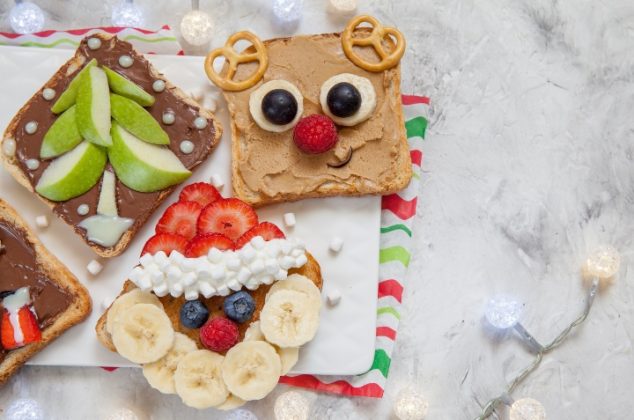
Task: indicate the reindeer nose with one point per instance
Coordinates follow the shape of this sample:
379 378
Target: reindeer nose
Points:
315 134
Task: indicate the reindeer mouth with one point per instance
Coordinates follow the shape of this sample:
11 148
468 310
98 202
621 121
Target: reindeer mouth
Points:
343 162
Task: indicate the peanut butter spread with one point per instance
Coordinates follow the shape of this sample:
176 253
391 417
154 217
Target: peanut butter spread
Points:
270 163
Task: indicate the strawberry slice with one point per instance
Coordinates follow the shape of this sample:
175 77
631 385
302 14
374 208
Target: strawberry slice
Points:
228 216
200 192
166 242
180 218
27 325
266 230
201 244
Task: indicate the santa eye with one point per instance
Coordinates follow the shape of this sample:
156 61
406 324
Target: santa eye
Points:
276 106
348 99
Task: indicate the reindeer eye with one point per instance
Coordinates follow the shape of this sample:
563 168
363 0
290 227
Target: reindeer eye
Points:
348 99
276 106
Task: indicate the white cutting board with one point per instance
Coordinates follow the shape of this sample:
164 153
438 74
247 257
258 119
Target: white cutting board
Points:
344 344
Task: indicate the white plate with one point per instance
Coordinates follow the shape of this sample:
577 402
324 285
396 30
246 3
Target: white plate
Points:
344 344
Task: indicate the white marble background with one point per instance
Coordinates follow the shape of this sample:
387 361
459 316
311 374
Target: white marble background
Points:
529 165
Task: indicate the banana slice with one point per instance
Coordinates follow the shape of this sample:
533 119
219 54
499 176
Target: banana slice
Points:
198 379
288 356
251 370
123 302
160 374
299 283
143 334
290 318
231 403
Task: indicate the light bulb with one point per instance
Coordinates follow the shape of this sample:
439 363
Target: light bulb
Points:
24 409
240 414
288 12
26 18
342 7
291 405
197 28
123 414
503 312
604 262
410 405
127 14
527 409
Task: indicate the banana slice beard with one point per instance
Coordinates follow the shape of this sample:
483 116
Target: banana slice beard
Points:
298 283
251 370
255 105
198 379
143 334
290 318
160 374
288 356
366 90
126 301
230 403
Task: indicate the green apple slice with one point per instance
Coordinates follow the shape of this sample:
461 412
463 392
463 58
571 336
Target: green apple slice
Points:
143 166
62 136
68 97
135 119
124 87
93 107
72 174
107 204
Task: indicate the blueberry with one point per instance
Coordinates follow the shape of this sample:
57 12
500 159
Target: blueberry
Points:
194 314
343 100
279 106
239 307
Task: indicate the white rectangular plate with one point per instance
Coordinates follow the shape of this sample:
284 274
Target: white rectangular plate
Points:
344 344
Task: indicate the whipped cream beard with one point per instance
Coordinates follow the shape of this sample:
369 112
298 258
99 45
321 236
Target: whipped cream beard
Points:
220 272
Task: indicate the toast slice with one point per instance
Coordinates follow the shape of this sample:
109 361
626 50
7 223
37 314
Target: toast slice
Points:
172 305
131 204
267 167
75 301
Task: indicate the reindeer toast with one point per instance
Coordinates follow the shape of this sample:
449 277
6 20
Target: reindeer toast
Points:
346 87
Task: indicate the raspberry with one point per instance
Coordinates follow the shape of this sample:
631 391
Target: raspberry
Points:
219 334
315 134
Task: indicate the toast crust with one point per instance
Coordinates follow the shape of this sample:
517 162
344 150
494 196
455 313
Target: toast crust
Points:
172 305
11 163
57 273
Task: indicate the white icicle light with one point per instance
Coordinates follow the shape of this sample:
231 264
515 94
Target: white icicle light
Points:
604 262
527 409
197 28
410 405
291 405
26 18
127 14
503 312
288 12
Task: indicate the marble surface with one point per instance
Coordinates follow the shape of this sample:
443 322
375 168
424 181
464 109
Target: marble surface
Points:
528 167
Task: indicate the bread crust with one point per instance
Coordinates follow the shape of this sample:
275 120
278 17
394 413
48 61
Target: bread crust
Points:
172 305
57 273
11 165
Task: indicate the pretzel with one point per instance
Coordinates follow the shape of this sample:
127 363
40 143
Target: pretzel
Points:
235 58
378 34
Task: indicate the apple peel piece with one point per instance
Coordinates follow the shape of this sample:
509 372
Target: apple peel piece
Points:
93 107
121 85
62 136
136 120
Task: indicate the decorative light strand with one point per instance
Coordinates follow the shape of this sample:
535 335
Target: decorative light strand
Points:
602 264
26 17
197 27
127 14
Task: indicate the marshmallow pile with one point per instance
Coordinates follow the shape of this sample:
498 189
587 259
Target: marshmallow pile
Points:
220 272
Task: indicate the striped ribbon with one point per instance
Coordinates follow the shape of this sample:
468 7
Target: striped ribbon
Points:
397 216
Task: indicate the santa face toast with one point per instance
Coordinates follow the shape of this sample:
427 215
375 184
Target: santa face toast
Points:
315 116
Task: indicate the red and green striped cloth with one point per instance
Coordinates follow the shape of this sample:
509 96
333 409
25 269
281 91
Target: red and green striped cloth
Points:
397 217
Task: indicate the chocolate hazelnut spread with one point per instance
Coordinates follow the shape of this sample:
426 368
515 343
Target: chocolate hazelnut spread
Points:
19 268
131 204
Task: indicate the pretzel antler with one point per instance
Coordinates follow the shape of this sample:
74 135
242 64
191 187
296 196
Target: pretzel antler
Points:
234 59
375 39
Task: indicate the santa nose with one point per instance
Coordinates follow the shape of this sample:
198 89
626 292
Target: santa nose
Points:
315 134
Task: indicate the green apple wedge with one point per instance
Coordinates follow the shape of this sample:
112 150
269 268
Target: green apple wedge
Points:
93 107
72 174
135 119
124 87
68 97
62 136
142 166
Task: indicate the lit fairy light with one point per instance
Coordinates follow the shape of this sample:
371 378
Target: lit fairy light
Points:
24 409
240 414
342 7
291 405
26 17
288 13
123 414
527 409
127 14
503 312
604 262
410 405
197 28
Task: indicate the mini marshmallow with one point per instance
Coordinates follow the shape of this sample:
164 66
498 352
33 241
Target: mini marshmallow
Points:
301 260
41 221
289 219
258 242
174 273
161 290
223 290
189 279
333 297
147 259
267 279
216 181
136 274
336 244
206 289
248 254
176 290
271 266
94 267
233 264
234 285
176 257
161 260
287 262
215 255
157 277
243 275
257 267
281 274
218 273
145 284
191 294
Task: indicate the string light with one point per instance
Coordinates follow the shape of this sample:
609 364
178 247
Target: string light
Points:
342 7
603 263
26 17
410 405
123 414
288 13
197 27
503 312
240 414
127 14
527 409
291 405
24 409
